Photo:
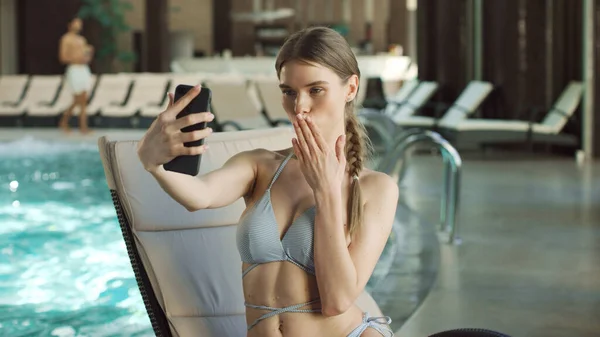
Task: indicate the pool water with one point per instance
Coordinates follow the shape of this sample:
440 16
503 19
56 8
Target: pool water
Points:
64 268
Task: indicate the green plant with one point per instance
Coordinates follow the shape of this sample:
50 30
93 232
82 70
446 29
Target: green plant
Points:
110 15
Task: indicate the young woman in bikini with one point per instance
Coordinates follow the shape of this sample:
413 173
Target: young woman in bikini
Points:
316 220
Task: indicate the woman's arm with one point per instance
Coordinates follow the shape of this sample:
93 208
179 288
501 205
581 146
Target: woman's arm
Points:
214 189
342 272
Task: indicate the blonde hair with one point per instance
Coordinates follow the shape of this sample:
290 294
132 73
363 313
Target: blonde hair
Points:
328 48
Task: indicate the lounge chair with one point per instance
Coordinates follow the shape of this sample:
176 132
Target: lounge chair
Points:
152 109
148 89
495 131
111 90
270 97
186 263
402 95
12 89
235 103
48 113
384 124
41 88
465 105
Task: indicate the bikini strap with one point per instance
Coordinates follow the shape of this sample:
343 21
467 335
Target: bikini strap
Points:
281 166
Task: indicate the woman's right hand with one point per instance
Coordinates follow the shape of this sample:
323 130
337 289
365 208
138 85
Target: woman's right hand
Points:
164 140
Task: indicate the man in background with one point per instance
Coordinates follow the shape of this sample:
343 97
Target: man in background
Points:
76 53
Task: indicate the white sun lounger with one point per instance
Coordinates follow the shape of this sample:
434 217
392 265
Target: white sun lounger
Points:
148 89
494 131
385 123
42 88
235 103
271 98
465 105
12 89
54 109
112 90
153 109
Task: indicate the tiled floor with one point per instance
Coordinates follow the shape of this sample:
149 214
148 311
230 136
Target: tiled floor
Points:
529 264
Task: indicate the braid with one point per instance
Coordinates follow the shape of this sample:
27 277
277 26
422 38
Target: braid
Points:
356 152
354 146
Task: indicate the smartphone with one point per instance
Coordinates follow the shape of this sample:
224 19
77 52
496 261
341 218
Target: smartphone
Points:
201 103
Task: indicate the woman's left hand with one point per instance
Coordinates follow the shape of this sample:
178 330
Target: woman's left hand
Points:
324 168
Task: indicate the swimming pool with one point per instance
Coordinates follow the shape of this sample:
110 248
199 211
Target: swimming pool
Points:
64 268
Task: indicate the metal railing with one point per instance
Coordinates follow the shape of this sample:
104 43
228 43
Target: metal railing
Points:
381 124
452 174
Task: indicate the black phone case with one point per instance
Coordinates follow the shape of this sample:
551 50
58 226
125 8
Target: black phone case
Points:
185 164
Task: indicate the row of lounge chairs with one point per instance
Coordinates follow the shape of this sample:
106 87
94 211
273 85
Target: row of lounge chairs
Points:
456 122
134 100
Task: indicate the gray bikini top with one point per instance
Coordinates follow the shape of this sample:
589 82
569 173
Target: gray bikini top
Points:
258 239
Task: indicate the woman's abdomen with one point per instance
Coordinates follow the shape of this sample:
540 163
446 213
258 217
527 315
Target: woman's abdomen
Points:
282 284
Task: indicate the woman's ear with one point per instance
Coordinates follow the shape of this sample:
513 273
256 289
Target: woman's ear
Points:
352 88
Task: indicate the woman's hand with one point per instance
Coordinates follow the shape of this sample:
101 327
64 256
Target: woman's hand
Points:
324 168
164 140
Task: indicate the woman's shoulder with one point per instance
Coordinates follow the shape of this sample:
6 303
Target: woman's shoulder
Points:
375 184
265 156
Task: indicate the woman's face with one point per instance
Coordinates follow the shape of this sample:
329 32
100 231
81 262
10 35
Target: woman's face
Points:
316 91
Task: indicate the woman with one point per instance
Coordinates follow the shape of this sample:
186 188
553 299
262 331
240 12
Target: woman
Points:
316 220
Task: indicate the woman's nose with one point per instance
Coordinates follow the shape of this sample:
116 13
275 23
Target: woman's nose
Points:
302 105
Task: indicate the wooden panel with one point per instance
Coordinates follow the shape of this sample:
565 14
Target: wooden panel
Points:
357 22
451 48
379 25
501 57
41 23
397 32
337 11
196 17
314 12
535 71
157 36
426 44
222 25
243 32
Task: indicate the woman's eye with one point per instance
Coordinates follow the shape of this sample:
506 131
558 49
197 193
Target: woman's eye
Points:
288 92
316 90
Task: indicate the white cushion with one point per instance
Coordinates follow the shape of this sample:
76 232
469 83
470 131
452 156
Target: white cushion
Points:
417 99
566 104
468 101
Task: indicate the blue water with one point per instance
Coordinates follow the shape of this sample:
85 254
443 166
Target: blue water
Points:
64 269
